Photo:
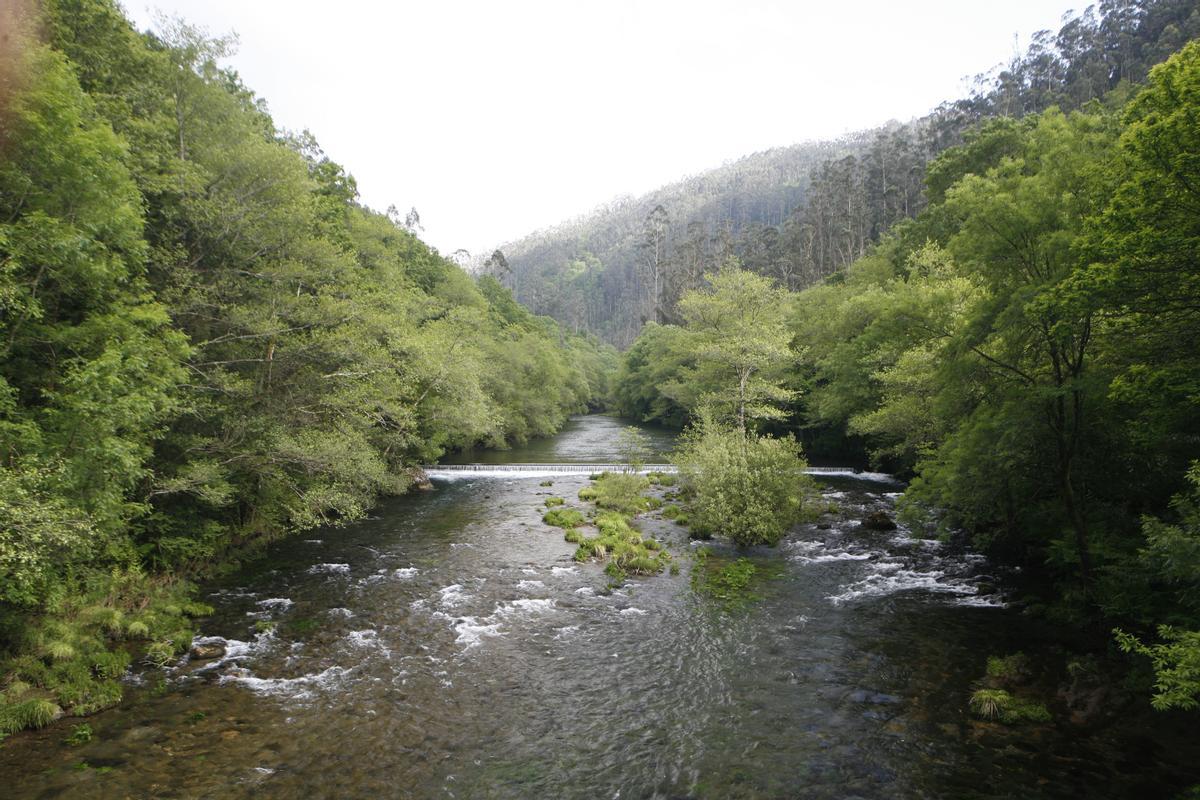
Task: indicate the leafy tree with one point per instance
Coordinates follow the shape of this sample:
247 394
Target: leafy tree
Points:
738 334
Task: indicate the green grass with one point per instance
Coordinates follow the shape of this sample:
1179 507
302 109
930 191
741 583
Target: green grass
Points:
563 517
623 547
74 655
999 705
1008 669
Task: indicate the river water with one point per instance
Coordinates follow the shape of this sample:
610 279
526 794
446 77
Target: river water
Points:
448 647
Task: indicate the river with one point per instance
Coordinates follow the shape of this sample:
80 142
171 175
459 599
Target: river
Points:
448 647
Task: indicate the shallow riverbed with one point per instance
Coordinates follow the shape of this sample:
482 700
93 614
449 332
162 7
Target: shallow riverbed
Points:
449 647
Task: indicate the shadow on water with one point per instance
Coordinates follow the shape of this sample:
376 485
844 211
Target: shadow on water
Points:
450 647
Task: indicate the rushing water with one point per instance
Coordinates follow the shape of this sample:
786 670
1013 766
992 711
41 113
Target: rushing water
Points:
449 647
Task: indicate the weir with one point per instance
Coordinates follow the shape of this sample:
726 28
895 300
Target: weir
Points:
451 470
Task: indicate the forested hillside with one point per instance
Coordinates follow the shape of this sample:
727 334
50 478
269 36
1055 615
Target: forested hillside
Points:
1025 349
801 213
207 342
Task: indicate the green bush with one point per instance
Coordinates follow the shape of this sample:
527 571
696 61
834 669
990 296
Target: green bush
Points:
551 502
622 491
747 487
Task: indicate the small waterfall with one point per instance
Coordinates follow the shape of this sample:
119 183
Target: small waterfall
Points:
450 471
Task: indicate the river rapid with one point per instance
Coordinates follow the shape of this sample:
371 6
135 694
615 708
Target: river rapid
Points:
449 647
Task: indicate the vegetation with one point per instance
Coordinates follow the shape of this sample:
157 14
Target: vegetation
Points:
621 492
617 543
750 488
997 704
726 581
1024 349
206 342
563 517
803 213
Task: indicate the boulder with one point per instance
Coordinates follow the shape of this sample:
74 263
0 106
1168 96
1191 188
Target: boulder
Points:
878 521
207 651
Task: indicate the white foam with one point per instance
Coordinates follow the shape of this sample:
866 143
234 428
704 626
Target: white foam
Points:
631 612
300 688
982 601
275 604
526 605
363 638
453 595
405 573
530 585
340 569
471 631
901 580
585 591
559 571
825 558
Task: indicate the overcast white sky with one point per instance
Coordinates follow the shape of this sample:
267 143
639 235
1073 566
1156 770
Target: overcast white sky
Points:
495 118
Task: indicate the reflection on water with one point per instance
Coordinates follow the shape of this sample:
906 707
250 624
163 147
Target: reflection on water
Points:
584 440
449 647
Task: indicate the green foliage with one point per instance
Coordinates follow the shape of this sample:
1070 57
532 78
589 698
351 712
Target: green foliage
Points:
997 704
737 334
34 713
1176 662
622 492
563 517
554 501
747 487
207 342
726 581
589 493
1009 668
626 552
80 734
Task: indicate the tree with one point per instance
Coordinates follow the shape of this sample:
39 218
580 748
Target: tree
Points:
737 331
653 246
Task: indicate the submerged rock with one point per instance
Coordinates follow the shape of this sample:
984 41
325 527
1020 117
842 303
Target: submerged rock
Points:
878 521
876 698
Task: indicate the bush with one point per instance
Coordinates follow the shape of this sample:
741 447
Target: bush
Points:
551 502
622 492
747 487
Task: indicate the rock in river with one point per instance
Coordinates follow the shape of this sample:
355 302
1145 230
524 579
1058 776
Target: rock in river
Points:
878 521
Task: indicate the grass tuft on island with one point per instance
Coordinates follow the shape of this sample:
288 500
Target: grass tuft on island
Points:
1001 706
618 498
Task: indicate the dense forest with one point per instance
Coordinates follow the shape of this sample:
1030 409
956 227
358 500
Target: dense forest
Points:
1024 349
207 342
802 213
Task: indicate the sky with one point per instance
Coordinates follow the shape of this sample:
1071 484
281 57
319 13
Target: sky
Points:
495 118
